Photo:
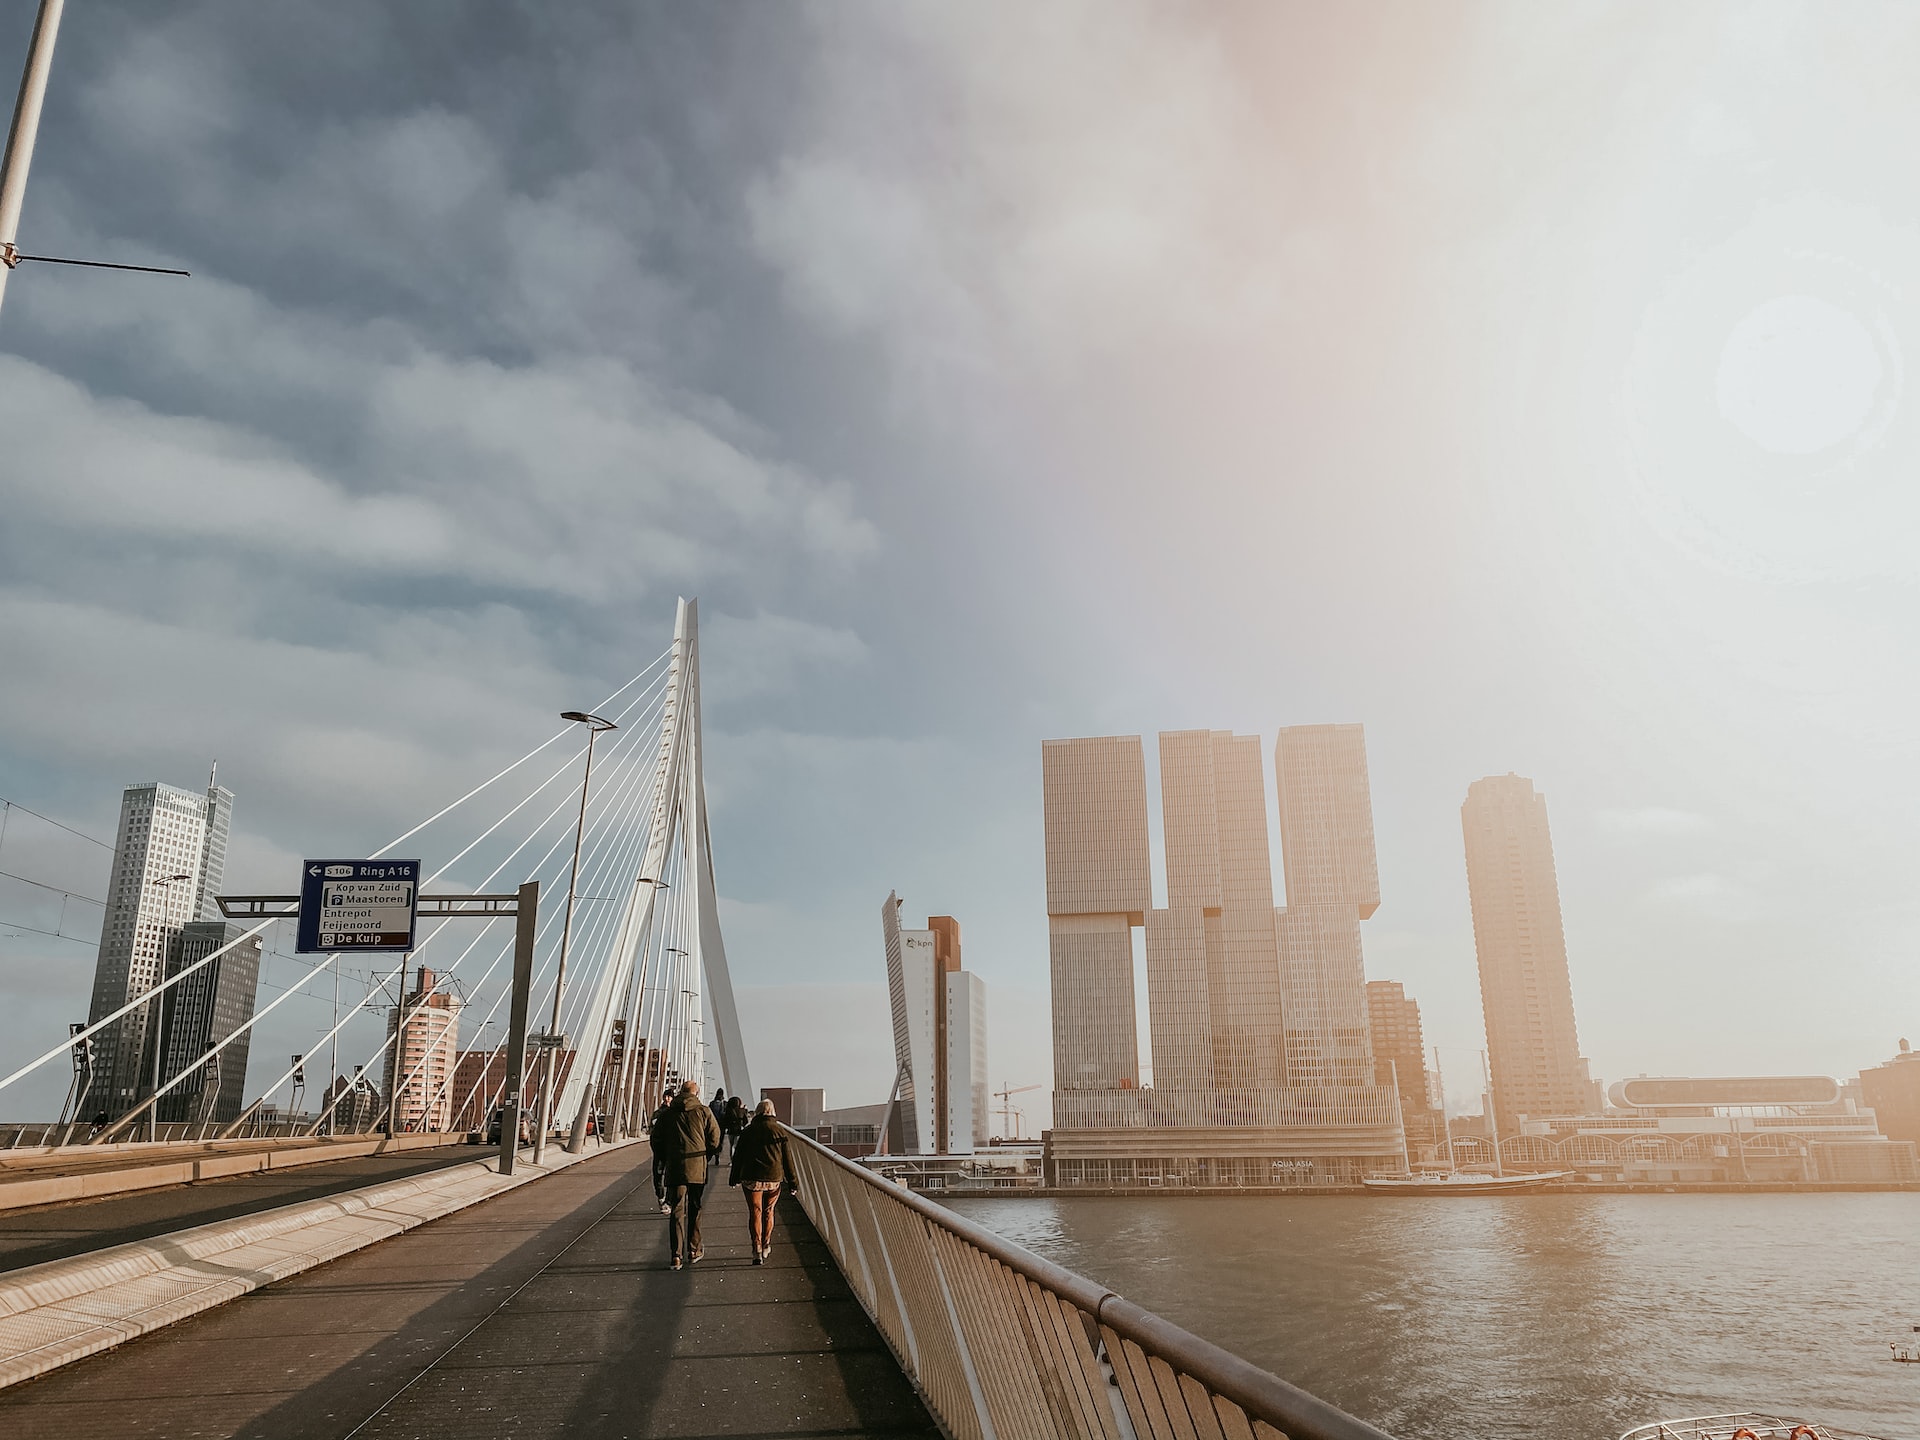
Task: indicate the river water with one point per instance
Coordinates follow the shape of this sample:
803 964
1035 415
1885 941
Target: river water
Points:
1567 1316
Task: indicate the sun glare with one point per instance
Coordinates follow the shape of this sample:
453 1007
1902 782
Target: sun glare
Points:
1798 375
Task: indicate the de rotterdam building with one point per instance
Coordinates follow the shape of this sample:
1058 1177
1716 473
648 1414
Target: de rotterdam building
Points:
1260 1069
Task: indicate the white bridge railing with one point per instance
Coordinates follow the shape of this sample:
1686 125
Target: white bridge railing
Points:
1003 1345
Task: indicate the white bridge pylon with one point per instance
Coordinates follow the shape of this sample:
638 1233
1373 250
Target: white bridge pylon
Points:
667 976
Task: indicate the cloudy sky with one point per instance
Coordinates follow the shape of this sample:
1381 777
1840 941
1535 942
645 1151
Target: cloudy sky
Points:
1526 383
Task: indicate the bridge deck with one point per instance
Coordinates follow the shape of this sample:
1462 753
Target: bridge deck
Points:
545 1312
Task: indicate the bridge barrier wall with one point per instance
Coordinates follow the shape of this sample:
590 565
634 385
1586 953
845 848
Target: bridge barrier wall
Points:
1004 1345
93 1175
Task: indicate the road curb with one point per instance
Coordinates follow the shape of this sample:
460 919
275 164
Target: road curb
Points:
65 1310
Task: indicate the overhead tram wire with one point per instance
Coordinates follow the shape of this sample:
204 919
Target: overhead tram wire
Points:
627 861
591 937
397 971
621 868
441 872
545 926
7 806
653 998
147 996
624 943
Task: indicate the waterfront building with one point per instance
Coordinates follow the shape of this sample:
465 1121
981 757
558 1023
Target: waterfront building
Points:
1099 886
852 1130
1333 883
939 1037
203 1010
1400 1053
420 1064
1525 992
1261 1071
169 860
1892 1092
1721 1129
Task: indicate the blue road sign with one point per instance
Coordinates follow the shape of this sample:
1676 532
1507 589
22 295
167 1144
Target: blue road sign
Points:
358 905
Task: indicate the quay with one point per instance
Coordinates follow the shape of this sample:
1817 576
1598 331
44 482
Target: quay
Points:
1598 1187
548 1310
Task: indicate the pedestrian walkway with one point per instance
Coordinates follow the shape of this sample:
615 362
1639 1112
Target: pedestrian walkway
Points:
547 1312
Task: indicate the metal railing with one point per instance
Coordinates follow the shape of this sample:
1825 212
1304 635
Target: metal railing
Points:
1003 1345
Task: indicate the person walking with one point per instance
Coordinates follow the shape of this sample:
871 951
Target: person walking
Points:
657 1144
761 1168
734 1122
689 1138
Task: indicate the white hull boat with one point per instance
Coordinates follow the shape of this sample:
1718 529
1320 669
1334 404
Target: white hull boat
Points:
1460 1182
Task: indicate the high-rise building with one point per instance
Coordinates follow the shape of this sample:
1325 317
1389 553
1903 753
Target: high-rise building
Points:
1525 990
1099 886
203 1010
169 858
358 1107
1400 1057
1261 1072
1333 883
421 1064
939 1037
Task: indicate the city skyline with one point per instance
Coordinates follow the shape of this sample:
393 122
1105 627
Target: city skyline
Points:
1333 856
1256 454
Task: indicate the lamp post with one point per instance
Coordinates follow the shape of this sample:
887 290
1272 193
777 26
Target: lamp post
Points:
595 725
159 974
633 1075
21 134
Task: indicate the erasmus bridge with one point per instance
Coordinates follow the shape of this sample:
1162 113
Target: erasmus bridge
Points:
309 1272
304 1269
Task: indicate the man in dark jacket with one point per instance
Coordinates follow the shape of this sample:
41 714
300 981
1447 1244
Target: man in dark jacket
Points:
687 1138
659 1160
734 1121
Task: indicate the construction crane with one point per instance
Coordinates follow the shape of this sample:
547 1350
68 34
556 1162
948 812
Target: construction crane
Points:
1010 1114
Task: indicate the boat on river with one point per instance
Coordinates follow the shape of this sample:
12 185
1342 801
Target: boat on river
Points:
1453 1180
1460 1182
1748 1425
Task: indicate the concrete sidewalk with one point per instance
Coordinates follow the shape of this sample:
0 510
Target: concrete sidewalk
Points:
54 1232
85 1172
547 1311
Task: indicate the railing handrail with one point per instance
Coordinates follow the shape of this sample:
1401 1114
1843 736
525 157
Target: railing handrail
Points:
1302 1415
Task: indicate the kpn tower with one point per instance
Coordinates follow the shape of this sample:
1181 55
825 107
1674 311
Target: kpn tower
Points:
939 1038
1261 1072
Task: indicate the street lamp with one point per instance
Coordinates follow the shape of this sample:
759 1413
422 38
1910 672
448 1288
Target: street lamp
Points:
159 974
633 1075
595 725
